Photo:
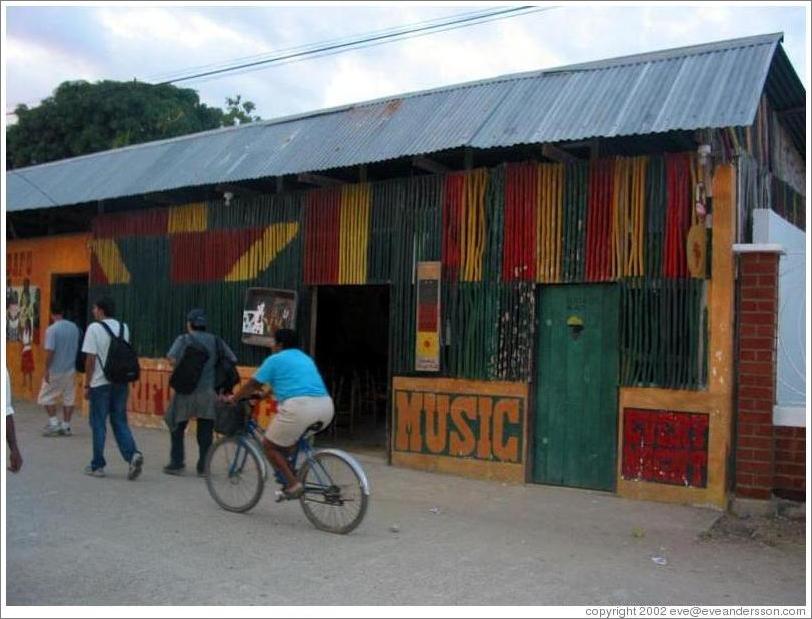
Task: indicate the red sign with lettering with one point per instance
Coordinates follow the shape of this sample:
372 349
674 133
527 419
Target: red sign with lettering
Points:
666 447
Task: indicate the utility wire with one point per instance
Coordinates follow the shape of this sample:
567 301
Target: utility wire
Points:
341 45
367 41
324 54
315 46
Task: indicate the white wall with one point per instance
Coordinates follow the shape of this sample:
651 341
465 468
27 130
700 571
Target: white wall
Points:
768 227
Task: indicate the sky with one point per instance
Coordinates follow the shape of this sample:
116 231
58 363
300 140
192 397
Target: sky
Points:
46 45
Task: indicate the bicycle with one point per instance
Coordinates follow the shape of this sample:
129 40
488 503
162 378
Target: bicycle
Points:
336 489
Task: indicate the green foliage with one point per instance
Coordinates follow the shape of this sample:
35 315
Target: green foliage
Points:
81 118
238 112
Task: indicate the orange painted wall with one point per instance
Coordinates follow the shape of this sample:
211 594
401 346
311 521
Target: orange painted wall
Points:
717 400
150 396
70 254
49 256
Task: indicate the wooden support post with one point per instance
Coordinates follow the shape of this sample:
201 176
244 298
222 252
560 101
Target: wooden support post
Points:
557 154
429 165
238 190
362 174
319 180
280 184
469 158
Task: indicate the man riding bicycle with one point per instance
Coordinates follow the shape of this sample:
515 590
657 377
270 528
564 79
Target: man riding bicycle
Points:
302 400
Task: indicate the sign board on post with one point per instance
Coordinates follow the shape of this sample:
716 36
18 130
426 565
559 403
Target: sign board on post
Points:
427 352
265 311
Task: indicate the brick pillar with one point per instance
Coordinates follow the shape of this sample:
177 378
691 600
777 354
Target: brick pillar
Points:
790 463
757 312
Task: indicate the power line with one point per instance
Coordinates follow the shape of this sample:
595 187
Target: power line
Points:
341 45
324 54
368 41
315 46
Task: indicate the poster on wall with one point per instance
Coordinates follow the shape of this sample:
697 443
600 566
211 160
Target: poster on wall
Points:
427 351
265 311
22 313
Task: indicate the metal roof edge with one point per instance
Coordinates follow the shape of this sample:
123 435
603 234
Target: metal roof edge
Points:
592 65
665 54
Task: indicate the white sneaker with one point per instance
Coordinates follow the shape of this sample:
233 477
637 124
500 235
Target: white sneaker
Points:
66 431
136 464
94 473
50 430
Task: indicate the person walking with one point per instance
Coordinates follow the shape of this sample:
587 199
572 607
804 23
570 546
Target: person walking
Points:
14 456
107 400
199 402
59 380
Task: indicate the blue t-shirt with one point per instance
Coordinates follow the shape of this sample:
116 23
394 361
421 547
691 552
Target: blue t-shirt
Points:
291 373
62 337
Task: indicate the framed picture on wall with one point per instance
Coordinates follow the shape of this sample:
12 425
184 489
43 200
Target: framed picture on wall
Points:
266 310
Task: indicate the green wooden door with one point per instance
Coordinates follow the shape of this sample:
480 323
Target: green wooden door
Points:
576 389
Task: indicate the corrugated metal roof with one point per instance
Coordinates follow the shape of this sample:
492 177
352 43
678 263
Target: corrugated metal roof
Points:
713 85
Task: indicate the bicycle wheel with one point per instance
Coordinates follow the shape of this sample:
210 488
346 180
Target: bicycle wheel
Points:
234 474
334 498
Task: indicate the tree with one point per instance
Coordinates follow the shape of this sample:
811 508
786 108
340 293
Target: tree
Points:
82 118
238 112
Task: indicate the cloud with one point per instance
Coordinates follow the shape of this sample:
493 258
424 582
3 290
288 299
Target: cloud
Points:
35 70
52 44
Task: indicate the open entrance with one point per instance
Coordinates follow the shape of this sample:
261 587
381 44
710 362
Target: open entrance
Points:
71 293
352 353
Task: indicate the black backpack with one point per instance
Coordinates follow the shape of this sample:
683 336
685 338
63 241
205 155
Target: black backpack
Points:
226 376
79 362
189 368
121 366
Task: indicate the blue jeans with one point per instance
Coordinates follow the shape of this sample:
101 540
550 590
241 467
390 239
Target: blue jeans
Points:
110 401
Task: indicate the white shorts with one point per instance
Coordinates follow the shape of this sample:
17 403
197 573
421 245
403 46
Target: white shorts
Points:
59 387
295 415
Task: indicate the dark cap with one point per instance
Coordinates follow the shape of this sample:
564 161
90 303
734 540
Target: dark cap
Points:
196 317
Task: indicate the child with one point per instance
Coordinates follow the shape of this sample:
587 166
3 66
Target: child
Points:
27 359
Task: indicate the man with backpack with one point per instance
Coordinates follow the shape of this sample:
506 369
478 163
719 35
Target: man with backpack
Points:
110 365
195 356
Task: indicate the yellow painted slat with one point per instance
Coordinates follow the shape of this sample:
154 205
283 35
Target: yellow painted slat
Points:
472 225
549 222
619 218
559 221
354 233
188 218
262 252
109 258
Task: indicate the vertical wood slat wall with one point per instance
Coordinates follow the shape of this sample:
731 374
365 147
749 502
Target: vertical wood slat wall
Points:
498 232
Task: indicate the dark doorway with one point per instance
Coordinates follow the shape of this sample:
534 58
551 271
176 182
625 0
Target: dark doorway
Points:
71 293
352 352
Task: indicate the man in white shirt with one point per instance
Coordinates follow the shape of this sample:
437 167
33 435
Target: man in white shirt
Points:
107 399
15 458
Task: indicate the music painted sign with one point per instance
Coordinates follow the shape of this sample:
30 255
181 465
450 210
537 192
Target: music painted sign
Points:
460 419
